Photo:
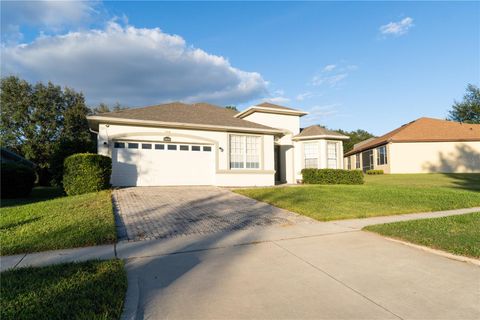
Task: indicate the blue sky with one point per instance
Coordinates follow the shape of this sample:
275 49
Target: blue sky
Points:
368 65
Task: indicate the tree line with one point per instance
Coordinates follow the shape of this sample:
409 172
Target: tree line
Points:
45 123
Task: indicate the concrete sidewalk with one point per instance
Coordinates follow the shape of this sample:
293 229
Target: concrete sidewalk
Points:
126 250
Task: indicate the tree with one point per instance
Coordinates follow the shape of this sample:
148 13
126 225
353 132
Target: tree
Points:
356 136
38 120
468 110
104 108
234 108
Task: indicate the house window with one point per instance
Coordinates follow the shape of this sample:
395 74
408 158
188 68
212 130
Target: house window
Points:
133 146
349 163
172 147
159 147
119 145
195 148
310 151
244 152
332 155
146 146
357 161
382 155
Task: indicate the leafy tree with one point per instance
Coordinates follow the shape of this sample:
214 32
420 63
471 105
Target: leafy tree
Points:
234 108
356 136
41 121
468 110
104 108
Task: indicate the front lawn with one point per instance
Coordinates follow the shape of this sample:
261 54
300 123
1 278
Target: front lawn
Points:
379 196
455 234
86 290
59 223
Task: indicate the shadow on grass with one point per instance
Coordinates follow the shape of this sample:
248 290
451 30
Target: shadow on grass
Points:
38 194
467 181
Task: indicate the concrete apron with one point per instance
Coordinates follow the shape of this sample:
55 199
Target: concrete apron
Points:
304 271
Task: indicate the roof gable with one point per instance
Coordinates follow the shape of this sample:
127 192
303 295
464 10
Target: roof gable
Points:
318 131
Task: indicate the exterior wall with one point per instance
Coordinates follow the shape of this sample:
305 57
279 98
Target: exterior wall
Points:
322 155
424 157
428 157
223 175
289 123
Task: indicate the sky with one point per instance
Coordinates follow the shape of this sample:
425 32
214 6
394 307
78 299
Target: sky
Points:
351 65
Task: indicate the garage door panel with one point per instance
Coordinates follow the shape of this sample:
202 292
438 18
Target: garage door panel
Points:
154 167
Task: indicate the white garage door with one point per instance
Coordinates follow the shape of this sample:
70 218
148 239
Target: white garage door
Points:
161 164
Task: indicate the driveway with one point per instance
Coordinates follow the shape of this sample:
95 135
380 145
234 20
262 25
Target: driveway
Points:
273 264
144 213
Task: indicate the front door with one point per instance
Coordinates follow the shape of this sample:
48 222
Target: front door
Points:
277 163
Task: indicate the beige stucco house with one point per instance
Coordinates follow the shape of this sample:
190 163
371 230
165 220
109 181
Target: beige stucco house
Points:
421 146
203 144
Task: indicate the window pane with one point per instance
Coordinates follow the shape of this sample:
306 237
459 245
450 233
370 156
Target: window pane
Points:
195 148
172 147
146 146
133 146
332 155
310 150
160 146
205 148
119 145
183 148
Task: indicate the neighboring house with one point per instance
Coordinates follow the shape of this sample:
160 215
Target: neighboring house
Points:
421 146
203 144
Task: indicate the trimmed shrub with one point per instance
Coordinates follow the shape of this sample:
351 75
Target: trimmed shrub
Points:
17 180
332 176
86 172
374 171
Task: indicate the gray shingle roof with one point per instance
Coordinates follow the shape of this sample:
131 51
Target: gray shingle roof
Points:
317 130
178 112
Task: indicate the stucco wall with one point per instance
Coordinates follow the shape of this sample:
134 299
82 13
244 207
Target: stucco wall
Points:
289 123
423 157
223 175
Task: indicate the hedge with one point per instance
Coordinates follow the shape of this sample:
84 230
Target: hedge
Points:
374 171
332 176
86 172
17 180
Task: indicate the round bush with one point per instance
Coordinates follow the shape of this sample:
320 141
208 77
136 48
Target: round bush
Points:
17 180
86 172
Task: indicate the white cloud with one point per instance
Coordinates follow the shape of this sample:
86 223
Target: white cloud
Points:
304 95
332 81
397 28
329 67
134 66
317 114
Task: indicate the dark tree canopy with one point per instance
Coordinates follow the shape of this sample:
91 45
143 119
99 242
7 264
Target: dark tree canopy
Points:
468 110
44 123
231 108
356 136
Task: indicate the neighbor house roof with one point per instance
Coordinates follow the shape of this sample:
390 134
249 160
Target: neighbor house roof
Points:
177 114
317 131
425 130
267 107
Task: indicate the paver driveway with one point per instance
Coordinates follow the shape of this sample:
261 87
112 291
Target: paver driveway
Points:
160 212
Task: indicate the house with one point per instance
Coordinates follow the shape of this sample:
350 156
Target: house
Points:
421 146
203 144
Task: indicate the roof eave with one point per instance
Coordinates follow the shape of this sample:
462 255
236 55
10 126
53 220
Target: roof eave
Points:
323 136
94 121
253 109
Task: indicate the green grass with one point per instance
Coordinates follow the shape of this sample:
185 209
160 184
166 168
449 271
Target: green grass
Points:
63 222
380 195
455 234
86 290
